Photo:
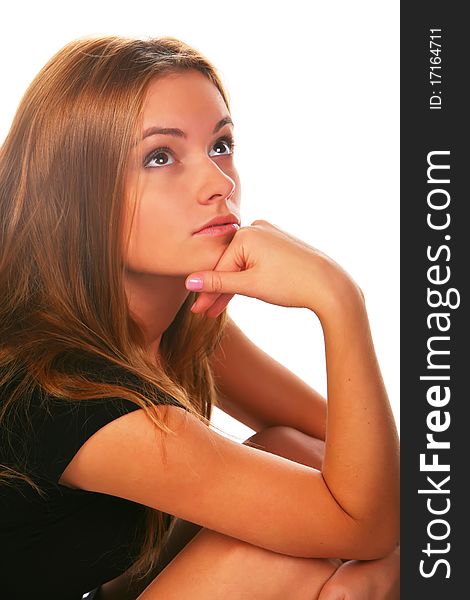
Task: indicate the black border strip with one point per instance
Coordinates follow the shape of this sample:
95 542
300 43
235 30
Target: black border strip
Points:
433 132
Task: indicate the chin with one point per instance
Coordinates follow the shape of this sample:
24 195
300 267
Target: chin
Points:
206 261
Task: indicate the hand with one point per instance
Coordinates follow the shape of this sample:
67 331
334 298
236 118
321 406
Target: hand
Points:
365 580
264 262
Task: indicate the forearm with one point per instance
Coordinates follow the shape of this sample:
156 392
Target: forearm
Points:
361 462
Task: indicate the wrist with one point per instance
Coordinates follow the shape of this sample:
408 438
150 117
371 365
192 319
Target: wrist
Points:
343 300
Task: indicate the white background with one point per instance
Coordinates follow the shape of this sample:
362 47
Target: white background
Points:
314 91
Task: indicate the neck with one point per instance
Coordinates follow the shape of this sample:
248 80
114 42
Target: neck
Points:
154 301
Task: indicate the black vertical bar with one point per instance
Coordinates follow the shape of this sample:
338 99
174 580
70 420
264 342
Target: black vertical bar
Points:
434 260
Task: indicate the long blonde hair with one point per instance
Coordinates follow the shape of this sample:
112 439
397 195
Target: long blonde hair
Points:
62 298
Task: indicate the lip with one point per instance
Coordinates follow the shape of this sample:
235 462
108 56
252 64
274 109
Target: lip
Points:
229 219
216 230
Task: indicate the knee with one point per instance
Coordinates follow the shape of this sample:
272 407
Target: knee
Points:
282 576
267 433
290 443
272 437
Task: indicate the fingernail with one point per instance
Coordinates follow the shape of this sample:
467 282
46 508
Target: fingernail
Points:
195 283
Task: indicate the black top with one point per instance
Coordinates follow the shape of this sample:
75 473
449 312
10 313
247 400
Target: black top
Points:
73 540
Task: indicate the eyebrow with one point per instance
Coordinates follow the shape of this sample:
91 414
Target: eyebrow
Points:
154 130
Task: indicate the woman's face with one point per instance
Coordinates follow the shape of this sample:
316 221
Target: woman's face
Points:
183 179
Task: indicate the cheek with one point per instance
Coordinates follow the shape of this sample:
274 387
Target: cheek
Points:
159 229
155 229
158 209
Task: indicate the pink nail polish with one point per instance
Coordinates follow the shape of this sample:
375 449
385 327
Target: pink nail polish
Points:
194 284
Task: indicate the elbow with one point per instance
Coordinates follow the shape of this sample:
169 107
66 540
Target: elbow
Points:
379 531
377 540
376 534
391 536
382 547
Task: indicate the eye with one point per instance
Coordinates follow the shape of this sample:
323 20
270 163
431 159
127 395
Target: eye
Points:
159 158
163 156
226 141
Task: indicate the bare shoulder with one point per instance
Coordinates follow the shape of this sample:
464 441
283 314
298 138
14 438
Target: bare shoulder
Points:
201 476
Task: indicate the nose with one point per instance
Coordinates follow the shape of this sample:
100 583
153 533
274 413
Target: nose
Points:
215 184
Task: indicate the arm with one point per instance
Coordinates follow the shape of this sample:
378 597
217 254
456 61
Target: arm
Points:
360 424
260 392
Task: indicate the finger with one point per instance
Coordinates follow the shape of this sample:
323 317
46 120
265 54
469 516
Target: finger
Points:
207 301
222 279
204 301
218 282
219 305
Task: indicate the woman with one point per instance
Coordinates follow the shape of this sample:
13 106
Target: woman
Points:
118 161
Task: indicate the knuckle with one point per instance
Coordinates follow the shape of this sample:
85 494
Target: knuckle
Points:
260 222
216 282
243 230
